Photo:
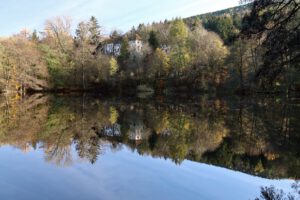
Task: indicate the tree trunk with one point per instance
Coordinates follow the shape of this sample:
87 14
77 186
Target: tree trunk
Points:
241 68
83 77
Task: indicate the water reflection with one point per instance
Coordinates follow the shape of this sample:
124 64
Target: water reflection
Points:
256 136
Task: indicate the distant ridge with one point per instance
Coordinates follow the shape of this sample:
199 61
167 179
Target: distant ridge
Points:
242 9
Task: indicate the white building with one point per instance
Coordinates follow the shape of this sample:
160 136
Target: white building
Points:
112 131
136 45
112 49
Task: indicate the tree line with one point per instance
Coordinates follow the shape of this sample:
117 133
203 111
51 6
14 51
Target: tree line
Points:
253 49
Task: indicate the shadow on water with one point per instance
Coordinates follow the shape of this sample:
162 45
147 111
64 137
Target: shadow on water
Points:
259 136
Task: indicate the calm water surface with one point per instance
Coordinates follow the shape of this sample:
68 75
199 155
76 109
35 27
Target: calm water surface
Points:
83 147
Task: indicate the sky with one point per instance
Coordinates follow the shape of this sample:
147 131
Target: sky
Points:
112 14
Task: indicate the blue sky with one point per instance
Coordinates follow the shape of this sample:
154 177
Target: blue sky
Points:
112 14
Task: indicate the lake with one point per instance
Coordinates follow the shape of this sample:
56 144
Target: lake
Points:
90 147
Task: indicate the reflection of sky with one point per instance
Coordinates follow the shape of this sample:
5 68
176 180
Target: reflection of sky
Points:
122 175
120 14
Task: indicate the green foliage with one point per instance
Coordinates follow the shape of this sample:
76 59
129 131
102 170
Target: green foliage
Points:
222 25
162 61
125 54
180 55
178 32
180 59
95 31
153 41
184 54
54 64
236 13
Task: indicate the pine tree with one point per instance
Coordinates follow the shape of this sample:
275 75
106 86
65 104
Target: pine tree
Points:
125 54
34 36
95 31
153 41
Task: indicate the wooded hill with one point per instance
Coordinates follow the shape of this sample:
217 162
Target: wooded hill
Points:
247 49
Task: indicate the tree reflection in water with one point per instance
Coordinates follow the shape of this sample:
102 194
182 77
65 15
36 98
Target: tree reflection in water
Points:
256 136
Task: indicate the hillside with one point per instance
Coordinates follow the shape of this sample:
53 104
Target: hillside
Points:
238 10
226 23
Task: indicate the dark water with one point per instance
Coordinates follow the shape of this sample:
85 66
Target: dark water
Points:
83 147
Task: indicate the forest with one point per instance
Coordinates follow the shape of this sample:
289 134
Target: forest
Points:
250 49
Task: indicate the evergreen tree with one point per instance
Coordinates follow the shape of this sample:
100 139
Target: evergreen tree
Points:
95 31
34 36
132 33
222 25
125 54
153 41
115 35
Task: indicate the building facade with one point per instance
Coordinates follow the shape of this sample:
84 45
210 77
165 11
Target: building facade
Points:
113 48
